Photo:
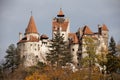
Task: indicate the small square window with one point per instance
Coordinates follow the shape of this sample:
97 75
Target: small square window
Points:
36 56
73 49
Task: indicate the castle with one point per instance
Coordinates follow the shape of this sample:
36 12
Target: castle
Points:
33 46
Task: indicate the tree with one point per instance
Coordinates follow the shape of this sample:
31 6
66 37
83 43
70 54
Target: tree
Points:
90 50
12 58
118 49
112 60
1 72
59 53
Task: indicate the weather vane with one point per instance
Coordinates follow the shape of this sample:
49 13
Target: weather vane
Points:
31 13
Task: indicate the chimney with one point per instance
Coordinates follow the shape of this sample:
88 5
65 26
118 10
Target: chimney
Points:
99 29
20 35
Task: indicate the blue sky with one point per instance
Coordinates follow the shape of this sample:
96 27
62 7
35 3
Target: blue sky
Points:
15 14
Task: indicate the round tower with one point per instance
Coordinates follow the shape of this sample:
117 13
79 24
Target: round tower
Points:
29 45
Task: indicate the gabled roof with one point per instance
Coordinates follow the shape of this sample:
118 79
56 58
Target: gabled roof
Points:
73 37
86 30
104 27
56 25
31 28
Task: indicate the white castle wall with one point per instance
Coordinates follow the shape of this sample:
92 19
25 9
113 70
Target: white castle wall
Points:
32 52
74 49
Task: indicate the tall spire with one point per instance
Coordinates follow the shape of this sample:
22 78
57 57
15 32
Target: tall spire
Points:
60 14
31 13
31 28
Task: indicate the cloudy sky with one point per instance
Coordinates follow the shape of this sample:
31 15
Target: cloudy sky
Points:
15 14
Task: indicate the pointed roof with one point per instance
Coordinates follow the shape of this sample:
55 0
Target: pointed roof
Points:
31 28
104 27
60 13
73 37
86 30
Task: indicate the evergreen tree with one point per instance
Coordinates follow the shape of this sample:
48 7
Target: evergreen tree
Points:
112 60
12 58
1 73
59 53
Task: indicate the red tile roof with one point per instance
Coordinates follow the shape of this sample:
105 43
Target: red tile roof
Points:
74 38
31 39
86 30
44 36
56 25
31 28
60 12
104 27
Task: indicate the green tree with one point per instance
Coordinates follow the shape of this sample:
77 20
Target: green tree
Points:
112 60
59 53
1 72
90 50
12 58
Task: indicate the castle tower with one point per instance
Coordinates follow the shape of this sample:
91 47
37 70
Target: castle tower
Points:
104 33
31 29
29 45
62 24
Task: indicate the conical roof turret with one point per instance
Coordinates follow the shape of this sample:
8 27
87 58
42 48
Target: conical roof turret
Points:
60 13
31 28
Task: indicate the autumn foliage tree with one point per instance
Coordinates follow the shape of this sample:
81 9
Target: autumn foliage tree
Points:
90 51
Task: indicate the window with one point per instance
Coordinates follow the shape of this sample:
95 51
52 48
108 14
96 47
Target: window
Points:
23 56
38 48
30 44
73 49
36 56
